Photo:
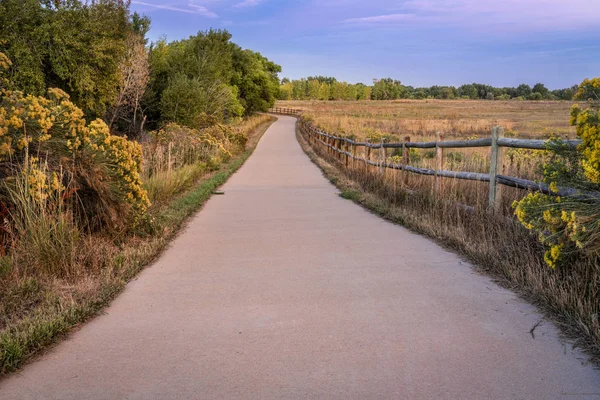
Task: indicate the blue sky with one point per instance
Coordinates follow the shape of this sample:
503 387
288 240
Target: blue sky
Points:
420 42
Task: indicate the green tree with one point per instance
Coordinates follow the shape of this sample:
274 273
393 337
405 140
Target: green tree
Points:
541 89
73 45
313 89
257 79
523 90
387 89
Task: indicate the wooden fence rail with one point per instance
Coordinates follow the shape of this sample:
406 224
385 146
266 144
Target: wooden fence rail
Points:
346 148
285 111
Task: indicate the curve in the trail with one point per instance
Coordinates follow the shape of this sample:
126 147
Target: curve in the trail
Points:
280 289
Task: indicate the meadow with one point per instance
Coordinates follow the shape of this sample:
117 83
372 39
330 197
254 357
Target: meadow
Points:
421 119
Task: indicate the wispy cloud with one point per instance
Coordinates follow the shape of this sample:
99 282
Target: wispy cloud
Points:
526 14
385 18
518 15
247 3
189 8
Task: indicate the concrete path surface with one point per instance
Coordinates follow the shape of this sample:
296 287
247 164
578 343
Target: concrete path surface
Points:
280 289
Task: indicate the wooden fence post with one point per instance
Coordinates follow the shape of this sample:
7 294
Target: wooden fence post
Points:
496 161
405 160
368 157
346 149
439 164
383 157
353 156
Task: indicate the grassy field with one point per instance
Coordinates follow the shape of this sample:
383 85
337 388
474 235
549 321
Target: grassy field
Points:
421 119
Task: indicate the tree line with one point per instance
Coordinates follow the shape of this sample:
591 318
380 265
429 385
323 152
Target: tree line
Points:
97 52
328 88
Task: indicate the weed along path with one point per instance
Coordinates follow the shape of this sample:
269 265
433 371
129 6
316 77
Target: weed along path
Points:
280 289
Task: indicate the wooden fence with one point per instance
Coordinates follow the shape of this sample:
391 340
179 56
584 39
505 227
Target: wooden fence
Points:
285 111
346 149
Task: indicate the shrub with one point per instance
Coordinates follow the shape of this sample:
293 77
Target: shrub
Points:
100 171
567 225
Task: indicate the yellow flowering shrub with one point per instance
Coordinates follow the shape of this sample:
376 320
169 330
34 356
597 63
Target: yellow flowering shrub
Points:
572 223
100 169
587 123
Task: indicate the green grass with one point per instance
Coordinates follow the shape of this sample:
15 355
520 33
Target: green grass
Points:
350 195
23 336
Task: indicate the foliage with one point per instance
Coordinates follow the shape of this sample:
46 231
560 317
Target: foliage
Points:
256 78
589 90
100 171
390 89
206 74
569 223
322 88
387 89
73 45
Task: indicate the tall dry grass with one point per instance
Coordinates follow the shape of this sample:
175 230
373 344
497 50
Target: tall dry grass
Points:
421 119
43 236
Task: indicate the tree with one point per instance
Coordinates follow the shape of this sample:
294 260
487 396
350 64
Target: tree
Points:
387 89
313 89
257 79
324 91
469 90
134 77
239 81
541 89
73 45
535 96
523 90
187 100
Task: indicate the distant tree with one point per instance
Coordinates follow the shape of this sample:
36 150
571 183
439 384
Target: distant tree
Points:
469 91
535 96
420 94
387 89
363 92
324 91
541 89
322 79
313 89
285 91
448 93
523 90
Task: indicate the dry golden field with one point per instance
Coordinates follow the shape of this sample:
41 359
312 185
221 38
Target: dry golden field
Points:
421 119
